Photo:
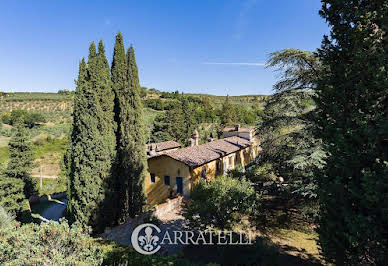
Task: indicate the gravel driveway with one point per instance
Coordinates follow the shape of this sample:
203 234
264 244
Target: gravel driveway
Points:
173 221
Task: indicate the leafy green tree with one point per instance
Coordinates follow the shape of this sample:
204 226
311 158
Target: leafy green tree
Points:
21 159
229 116
33 118
160 128
289 149
17 115
352 122
177 123
220 203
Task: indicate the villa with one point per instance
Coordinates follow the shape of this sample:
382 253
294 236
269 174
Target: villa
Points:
173 170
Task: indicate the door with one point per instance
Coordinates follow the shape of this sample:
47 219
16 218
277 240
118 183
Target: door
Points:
179 185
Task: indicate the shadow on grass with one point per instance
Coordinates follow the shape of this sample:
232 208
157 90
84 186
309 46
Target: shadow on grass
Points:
261 252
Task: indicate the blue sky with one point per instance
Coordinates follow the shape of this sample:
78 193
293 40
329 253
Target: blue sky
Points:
215 47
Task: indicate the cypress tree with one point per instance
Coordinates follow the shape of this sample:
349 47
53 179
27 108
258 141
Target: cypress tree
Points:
93 143
108 128
21 160
119 74
119 77
353 124
131 142
136 140
83 182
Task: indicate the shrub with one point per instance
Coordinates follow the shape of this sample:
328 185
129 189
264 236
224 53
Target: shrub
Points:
220 203
32 118
17 115
6 219
49 243
5 118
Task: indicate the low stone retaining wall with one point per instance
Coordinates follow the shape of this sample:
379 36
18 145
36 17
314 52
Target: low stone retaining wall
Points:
165 208
34 199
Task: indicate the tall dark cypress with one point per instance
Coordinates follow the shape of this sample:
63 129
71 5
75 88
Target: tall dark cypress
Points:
108 128
92 143
352 106
119 77
135 140
132 160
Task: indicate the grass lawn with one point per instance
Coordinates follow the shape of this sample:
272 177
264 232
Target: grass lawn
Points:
51 185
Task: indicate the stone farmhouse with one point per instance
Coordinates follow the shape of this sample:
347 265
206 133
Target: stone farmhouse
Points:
173 170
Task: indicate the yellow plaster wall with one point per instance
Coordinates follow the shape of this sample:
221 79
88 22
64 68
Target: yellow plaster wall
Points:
211 167
162 166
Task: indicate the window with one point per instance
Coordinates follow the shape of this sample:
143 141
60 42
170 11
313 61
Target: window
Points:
218 167
167 180
203 173
152 178
231 162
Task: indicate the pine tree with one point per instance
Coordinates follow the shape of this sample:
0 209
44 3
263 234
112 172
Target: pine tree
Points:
21 161
92 144
353 124
11 193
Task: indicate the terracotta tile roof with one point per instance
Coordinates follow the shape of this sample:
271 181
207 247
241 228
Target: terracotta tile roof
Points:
201 154
161 146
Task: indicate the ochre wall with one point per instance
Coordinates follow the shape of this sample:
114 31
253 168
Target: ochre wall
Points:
196 173
165 166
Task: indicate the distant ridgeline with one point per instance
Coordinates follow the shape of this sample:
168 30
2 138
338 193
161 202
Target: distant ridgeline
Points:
153 99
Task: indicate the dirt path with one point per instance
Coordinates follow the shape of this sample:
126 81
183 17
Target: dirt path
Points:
173 221
46 176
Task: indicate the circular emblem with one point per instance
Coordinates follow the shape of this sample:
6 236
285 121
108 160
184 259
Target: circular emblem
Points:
145 241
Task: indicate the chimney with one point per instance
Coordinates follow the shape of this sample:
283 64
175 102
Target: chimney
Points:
195 137
237 127
190 142
152 149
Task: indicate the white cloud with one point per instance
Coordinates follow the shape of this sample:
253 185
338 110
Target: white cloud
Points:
234 63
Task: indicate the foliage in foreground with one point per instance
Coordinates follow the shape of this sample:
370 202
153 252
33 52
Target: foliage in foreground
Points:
352 121
11 194
290 150
49 243
6 219
220 203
